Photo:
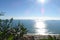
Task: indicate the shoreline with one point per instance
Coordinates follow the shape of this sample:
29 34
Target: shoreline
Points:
41 36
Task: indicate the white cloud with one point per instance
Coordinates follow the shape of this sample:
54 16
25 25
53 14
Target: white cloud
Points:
38 18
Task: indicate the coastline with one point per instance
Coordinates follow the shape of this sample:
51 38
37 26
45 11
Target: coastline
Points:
41 36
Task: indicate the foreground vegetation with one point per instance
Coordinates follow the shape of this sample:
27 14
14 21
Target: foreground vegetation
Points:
50 38
8 32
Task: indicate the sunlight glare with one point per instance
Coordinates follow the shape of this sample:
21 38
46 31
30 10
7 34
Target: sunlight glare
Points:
41 28
41 1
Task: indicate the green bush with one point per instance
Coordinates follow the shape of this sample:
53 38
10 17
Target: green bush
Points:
8 32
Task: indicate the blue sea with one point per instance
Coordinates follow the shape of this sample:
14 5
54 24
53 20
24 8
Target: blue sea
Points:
40 26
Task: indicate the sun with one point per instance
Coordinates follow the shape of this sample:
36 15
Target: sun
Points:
41 1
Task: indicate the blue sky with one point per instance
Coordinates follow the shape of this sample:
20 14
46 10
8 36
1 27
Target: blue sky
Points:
29 8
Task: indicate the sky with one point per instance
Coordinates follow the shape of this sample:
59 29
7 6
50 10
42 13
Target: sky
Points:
30 8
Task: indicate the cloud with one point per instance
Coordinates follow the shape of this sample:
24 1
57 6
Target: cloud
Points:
38 18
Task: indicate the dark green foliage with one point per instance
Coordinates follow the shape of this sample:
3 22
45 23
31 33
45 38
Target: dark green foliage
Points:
2 13
8 32
43 39
23 30
54 38
50 37
4 29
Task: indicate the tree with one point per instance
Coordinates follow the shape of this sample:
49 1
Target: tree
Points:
7 32
2 13
52 38
4 29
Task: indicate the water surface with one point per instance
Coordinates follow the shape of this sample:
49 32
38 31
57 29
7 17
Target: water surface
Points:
41 26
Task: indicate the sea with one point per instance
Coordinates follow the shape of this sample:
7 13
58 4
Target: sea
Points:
40 26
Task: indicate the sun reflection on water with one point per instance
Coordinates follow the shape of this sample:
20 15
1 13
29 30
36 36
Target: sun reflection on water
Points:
40 27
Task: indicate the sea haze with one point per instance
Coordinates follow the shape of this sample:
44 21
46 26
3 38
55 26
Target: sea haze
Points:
40 27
